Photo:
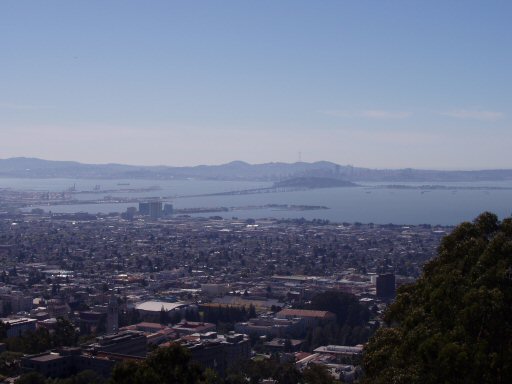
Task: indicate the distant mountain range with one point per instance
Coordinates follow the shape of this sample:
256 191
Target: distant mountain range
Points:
22 167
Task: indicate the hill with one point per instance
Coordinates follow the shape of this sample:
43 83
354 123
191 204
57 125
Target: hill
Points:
235 170
313 182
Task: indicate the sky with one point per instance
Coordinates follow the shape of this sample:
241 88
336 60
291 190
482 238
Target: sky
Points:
379 84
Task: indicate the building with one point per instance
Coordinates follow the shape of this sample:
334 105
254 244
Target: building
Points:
189 327
144 208
273 326
15 301
214 290
219 352
129 214
311 317
385 285
155 333
168 210
283 345
68 361
343 353
92 322
18 327
153 209
57 308
112 315
131 343
152 310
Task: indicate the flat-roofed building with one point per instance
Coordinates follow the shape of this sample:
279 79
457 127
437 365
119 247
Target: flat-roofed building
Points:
190 327
130 343
91 321
272 326
310 316
18 327
68 361
219 352
344 353
151 310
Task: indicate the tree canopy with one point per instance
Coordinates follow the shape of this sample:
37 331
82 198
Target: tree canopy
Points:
454 325
165 365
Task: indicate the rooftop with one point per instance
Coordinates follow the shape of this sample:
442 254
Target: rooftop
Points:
156 306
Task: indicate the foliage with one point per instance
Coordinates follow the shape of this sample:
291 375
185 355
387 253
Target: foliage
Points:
454 325
165 365
9 363
254 371
258 370
31 378
84 377
41 339
317 374
3 329
228 314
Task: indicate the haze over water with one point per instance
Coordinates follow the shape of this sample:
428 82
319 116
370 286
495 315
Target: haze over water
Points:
359 204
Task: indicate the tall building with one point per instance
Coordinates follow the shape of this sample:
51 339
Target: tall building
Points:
385 285
152 209
112 315
144 208
155 209
130 213
168 209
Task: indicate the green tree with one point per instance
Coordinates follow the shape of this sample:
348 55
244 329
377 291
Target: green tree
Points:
31 378
3 329
65 333
165 365
454 325
9 362
317 374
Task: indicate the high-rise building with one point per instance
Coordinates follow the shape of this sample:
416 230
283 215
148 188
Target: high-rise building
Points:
112 315
385 285
144 208
168 209
155 209
152 209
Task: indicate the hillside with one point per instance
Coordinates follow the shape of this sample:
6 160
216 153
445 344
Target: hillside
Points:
23 167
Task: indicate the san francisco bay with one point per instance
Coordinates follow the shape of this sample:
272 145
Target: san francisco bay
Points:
380 203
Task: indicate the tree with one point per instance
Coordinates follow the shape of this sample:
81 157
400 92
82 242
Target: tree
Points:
317 374
83 377
64 334
165 365
31 378
454 325
3 329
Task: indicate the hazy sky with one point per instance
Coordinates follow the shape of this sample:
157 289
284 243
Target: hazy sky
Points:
423 84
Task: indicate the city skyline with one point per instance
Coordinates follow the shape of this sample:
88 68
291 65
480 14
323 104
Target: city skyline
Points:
378 85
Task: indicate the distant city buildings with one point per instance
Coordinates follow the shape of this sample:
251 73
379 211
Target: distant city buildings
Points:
142 283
